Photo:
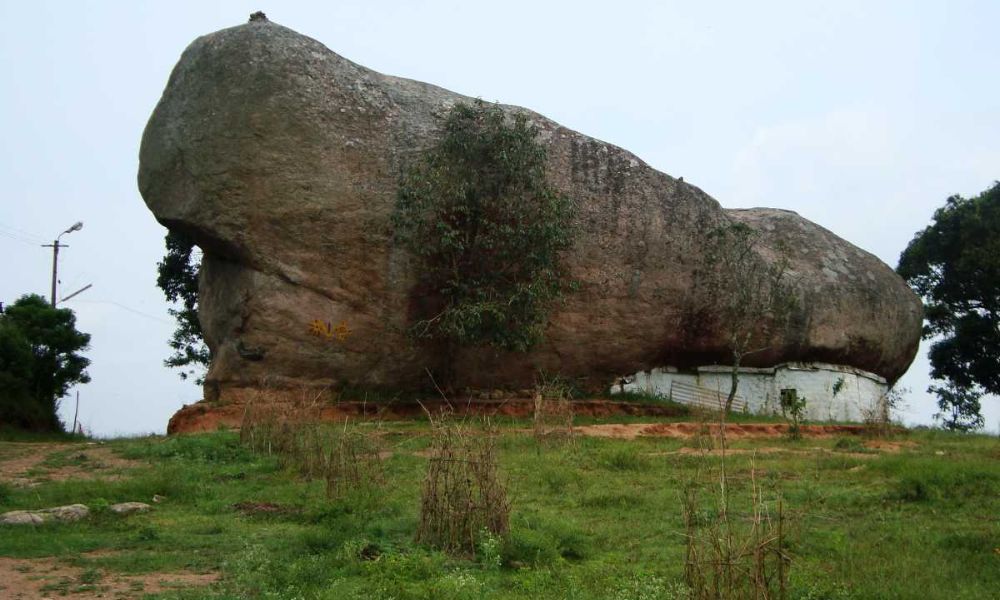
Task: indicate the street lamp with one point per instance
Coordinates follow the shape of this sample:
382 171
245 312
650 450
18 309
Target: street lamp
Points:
55 255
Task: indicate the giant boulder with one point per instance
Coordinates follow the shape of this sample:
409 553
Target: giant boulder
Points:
282 159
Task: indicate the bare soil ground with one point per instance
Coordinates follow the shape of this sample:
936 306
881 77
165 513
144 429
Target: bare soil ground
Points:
206 416
30 579
733 430
768 450
24 464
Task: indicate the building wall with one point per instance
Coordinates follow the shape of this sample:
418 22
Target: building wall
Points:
832 392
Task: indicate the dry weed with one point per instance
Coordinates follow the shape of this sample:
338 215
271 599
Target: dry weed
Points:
553 414
462 493
353 460
737 557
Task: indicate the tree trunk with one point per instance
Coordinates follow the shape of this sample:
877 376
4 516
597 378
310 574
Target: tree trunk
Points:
735 381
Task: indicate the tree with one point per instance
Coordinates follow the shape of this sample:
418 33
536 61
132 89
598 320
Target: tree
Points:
39 362
745 293
17 405
954 265
177 276
487 230
959 407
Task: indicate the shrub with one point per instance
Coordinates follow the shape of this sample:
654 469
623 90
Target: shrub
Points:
462 494
487 229
39 362
793 408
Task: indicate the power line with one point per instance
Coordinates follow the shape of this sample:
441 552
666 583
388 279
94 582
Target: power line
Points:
18 229
27 235
129 309
18 238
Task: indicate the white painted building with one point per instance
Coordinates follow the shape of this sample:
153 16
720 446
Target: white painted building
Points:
832 392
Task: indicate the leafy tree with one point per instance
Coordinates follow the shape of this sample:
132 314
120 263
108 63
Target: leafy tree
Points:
954 265
17 406
177 276
745 293
959 407
39 362
477 212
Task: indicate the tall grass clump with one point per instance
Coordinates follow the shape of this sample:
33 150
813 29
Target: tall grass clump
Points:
274 424
553 411
353 460
734 555
346 457
463 498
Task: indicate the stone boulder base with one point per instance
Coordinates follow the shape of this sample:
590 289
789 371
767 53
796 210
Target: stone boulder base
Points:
281 160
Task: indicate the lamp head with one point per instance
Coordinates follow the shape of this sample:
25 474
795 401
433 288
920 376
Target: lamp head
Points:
76 227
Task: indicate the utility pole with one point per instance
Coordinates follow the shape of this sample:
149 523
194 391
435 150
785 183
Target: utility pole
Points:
55 245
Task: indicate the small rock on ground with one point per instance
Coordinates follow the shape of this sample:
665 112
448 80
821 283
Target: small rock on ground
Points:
21 517
127 508
65 514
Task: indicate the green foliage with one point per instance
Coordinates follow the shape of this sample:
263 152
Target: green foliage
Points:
954 265
177 276
608 533
17 404
838 386
793 408
953 481
39 362
487 229
644 586
850 444
959 408
749 297
223 449
623 458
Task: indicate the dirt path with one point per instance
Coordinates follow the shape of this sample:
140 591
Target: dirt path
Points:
25 464
24 579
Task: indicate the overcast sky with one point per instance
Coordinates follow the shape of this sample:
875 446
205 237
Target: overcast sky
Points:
861 116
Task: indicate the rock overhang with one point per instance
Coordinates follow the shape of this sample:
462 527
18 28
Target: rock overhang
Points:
281 159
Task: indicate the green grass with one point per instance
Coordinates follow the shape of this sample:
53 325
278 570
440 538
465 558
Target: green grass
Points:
593 518
11 434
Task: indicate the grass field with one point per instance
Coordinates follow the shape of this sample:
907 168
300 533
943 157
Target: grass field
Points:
917 517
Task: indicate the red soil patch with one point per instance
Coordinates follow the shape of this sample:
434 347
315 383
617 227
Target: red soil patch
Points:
204 416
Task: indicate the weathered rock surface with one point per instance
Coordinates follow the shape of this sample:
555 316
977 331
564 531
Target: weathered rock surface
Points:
65 514
127 508
282 158
21 517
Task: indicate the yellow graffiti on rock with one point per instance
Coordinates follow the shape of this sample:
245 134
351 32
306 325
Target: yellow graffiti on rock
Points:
324 329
